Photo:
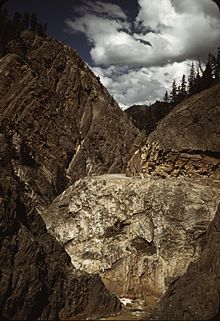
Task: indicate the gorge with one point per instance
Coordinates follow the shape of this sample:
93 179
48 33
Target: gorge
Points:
94 211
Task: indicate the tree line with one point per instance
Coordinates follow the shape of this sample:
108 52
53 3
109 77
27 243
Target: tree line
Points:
11 27
199 79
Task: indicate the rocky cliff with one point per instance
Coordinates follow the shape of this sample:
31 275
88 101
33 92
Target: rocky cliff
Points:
37 279
57 123
145 118
196 296
67 124
138 234
143 235
185 143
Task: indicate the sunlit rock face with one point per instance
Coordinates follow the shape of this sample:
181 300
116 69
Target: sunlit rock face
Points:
185 143
63 121
139 234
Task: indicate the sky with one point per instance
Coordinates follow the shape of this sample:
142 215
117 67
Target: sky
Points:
136 47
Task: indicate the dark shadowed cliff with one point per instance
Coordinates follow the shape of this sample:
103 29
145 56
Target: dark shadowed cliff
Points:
195 296
146 117
37 279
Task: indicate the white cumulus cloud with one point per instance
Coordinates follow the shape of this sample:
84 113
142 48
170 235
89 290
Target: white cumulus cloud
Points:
132 58
140 85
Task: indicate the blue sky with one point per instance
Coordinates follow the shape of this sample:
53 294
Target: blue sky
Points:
137 47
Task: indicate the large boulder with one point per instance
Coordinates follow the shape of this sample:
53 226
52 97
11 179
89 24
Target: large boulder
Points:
138 234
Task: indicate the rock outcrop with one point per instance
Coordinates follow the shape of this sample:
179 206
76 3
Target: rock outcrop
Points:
196 296
138 234
37 279
185 143
70 125
217 2
146 117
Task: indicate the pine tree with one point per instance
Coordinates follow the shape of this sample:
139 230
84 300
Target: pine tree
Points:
173 94
33 22
183 87
217 66
191 80
197 82
10 28
207 77
166 97
26 20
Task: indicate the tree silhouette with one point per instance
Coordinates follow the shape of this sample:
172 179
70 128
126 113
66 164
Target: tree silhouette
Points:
166 97
217 66
174 92
10 28
199 79
191 80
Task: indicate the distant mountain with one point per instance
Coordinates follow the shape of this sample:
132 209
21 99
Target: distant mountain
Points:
145 118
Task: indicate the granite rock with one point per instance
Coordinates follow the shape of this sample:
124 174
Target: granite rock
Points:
138 234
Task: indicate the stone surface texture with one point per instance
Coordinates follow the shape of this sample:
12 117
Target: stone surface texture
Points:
139 234
37 279
185 143
146 117
70 124
196 296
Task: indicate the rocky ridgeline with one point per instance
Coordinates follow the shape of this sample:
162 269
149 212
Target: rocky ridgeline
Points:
65 120
185 143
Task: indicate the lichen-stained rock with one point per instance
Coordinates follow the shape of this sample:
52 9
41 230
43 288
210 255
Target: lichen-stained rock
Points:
70 124
37 279
185 143
196 295
139 234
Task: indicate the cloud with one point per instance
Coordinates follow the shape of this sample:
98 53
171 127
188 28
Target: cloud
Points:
101 9
163 31
140 85
138 60
184 29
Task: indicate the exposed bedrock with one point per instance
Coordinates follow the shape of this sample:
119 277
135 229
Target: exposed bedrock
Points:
37 279
139 234
185 143
62 119
196 296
